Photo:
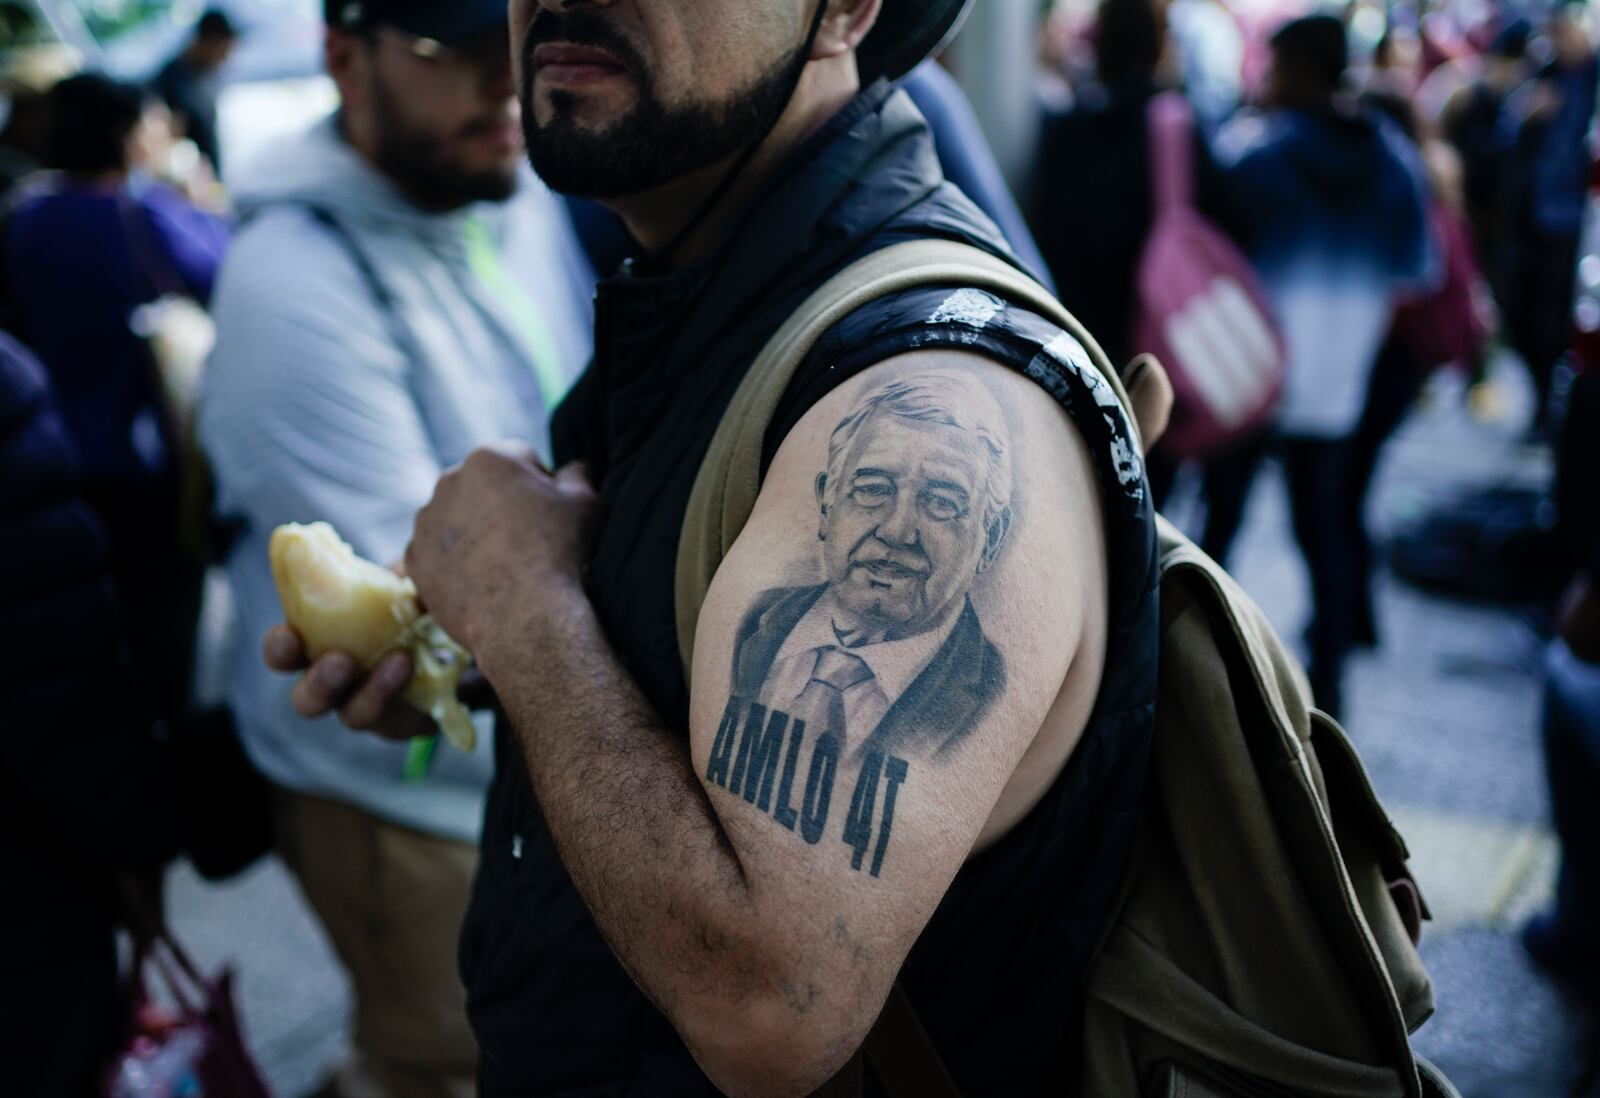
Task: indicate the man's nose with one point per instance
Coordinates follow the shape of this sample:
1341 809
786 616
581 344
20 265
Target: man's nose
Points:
899 527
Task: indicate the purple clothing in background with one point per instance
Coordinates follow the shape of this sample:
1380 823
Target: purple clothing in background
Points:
80 260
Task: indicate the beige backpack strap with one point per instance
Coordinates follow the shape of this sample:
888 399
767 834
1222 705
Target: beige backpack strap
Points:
730 477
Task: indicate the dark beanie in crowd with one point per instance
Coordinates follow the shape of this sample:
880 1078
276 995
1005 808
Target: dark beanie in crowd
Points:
1315 44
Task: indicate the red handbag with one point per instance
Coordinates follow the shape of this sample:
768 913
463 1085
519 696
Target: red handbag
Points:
193 1048
1453 322
1200 307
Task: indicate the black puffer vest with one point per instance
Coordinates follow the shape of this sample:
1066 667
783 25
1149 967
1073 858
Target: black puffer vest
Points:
996 974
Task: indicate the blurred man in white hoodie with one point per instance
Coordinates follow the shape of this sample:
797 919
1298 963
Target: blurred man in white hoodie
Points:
402 291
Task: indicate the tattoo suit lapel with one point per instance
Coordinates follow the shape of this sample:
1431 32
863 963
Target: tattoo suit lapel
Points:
768 624
940 708
946 701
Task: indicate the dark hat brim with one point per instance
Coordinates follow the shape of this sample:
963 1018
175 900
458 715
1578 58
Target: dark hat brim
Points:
442 20
907 32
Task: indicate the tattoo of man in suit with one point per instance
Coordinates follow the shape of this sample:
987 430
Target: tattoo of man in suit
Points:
888 653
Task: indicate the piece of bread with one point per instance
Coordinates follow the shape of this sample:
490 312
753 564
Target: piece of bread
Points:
339 602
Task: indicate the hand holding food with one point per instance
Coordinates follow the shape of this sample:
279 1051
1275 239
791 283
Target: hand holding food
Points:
338 602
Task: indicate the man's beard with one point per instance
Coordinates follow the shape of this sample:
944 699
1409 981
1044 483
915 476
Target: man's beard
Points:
417 162
653 144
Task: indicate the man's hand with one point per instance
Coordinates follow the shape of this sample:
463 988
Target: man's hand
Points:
499 531
368 701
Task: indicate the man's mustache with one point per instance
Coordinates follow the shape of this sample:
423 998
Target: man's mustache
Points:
886 562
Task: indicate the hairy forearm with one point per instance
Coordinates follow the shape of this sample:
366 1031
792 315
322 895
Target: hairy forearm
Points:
630 819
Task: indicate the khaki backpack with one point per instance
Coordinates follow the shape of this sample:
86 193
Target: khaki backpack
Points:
1264 941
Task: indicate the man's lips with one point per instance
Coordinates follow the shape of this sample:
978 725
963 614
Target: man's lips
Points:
889 570
563 64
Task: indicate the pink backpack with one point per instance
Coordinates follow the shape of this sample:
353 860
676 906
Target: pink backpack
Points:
1200 307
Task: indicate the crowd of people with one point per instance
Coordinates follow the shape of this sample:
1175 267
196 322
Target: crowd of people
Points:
351 331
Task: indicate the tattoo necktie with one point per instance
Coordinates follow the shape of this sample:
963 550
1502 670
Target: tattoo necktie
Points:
821 703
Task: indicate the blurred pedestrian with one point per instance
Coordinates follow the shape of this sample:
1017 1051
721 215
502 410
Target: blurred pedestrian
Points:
190 82
1546 196
1566 939
1447 322
1093 199
1336 222
89 251
86 790
26 77
1474 122
402 291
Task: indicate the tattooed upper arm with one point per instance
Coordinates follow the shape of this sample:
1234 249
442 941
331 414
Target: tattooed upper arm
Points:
919 592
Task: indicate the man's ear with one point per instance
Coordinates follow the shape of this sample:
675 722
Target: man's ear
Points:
994 536
845 26
822 506
346 59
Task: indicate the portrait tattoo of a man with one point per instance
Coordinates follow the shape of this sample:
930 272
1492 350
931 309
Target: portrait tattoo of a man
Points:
884 659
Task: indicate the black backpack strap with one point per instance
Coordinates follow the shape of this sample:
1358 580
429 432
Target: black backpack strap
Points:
387 304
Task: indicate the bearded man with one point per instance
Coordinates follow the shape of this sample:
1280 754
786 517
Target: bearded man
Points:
693 891
401 292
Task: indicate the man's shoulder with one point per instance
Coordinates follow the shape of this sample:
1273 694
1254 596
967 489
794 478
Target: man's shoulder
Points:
281 257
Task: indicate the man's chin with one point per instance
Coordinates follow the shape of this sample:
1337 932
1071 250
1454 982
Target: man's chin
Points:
597 110
879 612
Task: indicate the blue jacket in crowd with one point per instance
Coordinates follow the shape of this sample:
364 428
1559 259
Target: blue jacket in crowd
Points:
85 789
81 259
1334 216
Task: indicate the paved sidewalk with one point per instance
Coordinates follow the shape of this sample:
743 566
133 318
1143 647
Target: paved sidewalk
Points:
1445 715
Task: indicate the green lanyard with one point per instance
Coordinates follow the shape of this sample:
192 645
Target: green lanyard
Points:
484 260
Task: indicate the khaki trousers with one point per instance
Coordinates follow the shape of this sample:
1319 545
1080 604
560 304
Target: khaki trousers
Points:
392 901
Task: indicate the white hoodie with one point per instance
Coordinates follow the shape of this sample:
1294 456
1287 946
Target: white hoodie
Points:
321 403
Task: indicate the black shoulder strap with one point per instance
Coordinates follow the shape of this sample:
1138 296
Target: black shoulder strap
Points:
387 304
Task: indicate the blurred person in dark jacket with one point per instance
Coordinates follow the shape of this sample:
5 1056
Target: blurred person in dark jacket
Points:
1336 201
1566 938
1092 204
1546 194
1474 122
86 790
85 249
189 83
